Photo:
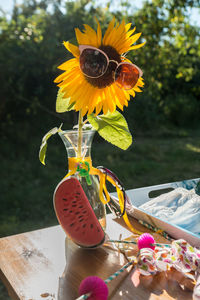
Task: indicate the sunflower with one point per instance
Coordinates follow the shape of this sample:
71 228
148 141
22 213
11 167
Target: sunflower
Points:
95 94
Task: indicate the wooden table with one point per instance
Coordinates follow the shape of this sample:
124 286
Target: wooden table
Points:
44 264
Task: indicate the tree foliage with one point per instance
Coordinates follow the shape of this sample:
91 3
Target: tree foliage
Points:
170 59
31 49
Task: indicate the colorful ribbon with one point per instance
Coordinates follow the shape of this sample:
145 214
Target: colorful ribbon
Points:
181 255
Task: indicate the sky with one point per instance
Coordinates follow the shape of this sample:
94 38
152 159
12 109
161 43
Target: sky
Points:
7 5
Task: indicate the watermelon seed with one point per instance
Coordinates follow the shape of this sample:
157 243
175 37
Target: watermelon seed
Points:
91 226
80 220
72 224
74 205
64 199
81 206
66 209
80 216
84 225
85 211
71 211
77 213
98 229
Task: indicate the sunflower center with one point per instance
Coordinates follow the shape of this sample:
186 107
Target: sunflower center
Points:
107 78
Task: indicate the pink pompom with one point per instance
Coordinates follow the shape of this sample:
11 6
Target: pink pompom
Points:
145 241
96 286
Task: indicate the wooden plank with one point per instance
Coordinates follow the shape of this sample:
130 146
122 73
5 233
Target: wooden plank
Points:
44 264
37 263
31 261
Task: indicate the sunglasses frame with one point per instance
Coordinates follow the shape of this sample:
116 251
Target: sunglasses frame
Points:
83 47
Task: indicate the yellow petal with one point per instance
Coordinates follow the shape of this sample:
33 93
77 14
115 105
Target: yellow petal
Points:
83 100
73 87
88 96
76 94
121 29
137 46
119 36
127 95
122 44
128 34
102 98
92 102
132 93
98 108
109 100
112 87
71 76
72 48
135 37
109 29
124 48
120 95
92 36
128 26
116 34
84 110
140 82
82 38
60 77
99 34
69 64
112 37
112 98
137 89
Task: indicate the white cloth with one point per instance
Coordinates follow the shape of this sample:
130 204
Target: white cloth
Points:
180 207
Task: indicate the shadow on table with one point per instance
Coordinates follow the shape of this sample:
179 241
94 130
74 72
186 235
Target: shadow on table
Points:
164 285
80 263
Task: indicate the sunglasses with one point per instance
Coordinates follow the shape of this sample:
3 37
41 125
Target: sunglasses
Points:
94 64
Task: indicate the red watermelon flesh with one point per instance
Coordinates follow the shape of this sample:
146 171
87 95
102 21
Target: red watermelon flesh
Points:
76 215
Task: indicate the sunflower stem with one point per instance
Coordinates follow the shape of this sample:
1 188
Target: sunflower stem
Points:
80 126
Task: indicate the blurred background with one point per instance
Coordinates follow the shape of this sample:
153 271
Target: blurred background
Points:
164 118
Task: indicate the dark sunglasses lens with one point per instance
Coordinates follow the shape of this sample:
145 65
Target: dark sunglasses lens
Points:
93 63
126 76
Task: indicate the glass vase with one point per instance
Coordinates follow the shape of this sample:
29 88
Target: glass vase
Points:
70 139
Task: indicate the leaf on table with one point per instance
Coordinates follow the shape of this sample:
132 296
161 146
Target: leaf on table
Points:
113 128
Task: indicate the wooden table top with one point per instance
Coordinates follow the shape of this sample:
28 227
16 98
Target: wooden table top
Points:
44 264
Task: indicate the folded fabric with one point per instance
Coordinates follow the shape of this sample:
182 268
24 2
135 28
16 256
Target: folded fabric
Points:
180 207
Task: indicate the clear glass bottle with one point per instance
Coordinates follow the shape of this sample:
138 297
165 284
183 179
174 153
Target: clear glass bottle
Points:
70 140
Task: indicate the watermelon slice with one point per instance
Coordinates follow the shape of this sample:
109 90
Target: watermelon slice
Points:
76 215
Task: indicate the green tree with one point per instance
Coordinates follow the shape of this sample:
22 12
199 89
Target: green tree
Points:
31 49
170 60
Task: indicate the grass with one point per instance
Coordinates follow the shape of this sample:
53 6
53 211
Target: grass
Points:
27 186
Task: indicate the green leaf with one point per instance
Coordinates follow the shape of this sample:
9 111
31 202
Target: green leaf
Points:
62 104
113 128
43 147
